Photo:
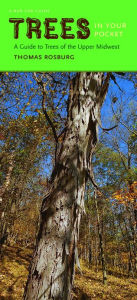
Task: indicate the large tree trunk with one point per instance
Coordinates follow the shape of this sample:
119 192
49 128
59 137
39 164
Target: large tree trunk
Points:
52 270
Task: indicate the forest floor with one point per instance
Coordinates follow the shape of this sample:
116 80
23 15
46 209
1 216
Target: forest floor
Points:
14 271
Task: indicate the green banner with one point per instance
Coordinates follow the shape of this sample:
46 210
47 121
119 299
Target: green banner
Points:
68 36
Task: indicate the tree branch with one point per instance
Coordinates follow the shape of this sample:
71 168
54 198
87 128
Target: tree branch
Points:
106 129
114 79
122 123
48 118
132 131
45 111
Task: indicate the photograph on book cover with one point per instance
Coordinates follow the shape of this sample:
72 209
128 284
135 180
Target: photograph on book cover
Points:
68 185
68 151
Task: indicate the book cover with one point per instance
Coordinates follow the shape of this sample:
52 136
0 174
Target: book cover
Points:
68 130
68 37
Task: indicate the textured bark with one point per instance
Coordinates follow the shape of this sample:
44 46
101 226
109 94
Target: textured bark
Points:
52 270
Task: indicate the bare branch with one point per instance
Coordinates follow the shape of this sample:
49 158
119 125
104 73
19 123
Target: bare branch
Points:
39 81
122 123
121 156
91 177
114 79
48 118
106 129
132 131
